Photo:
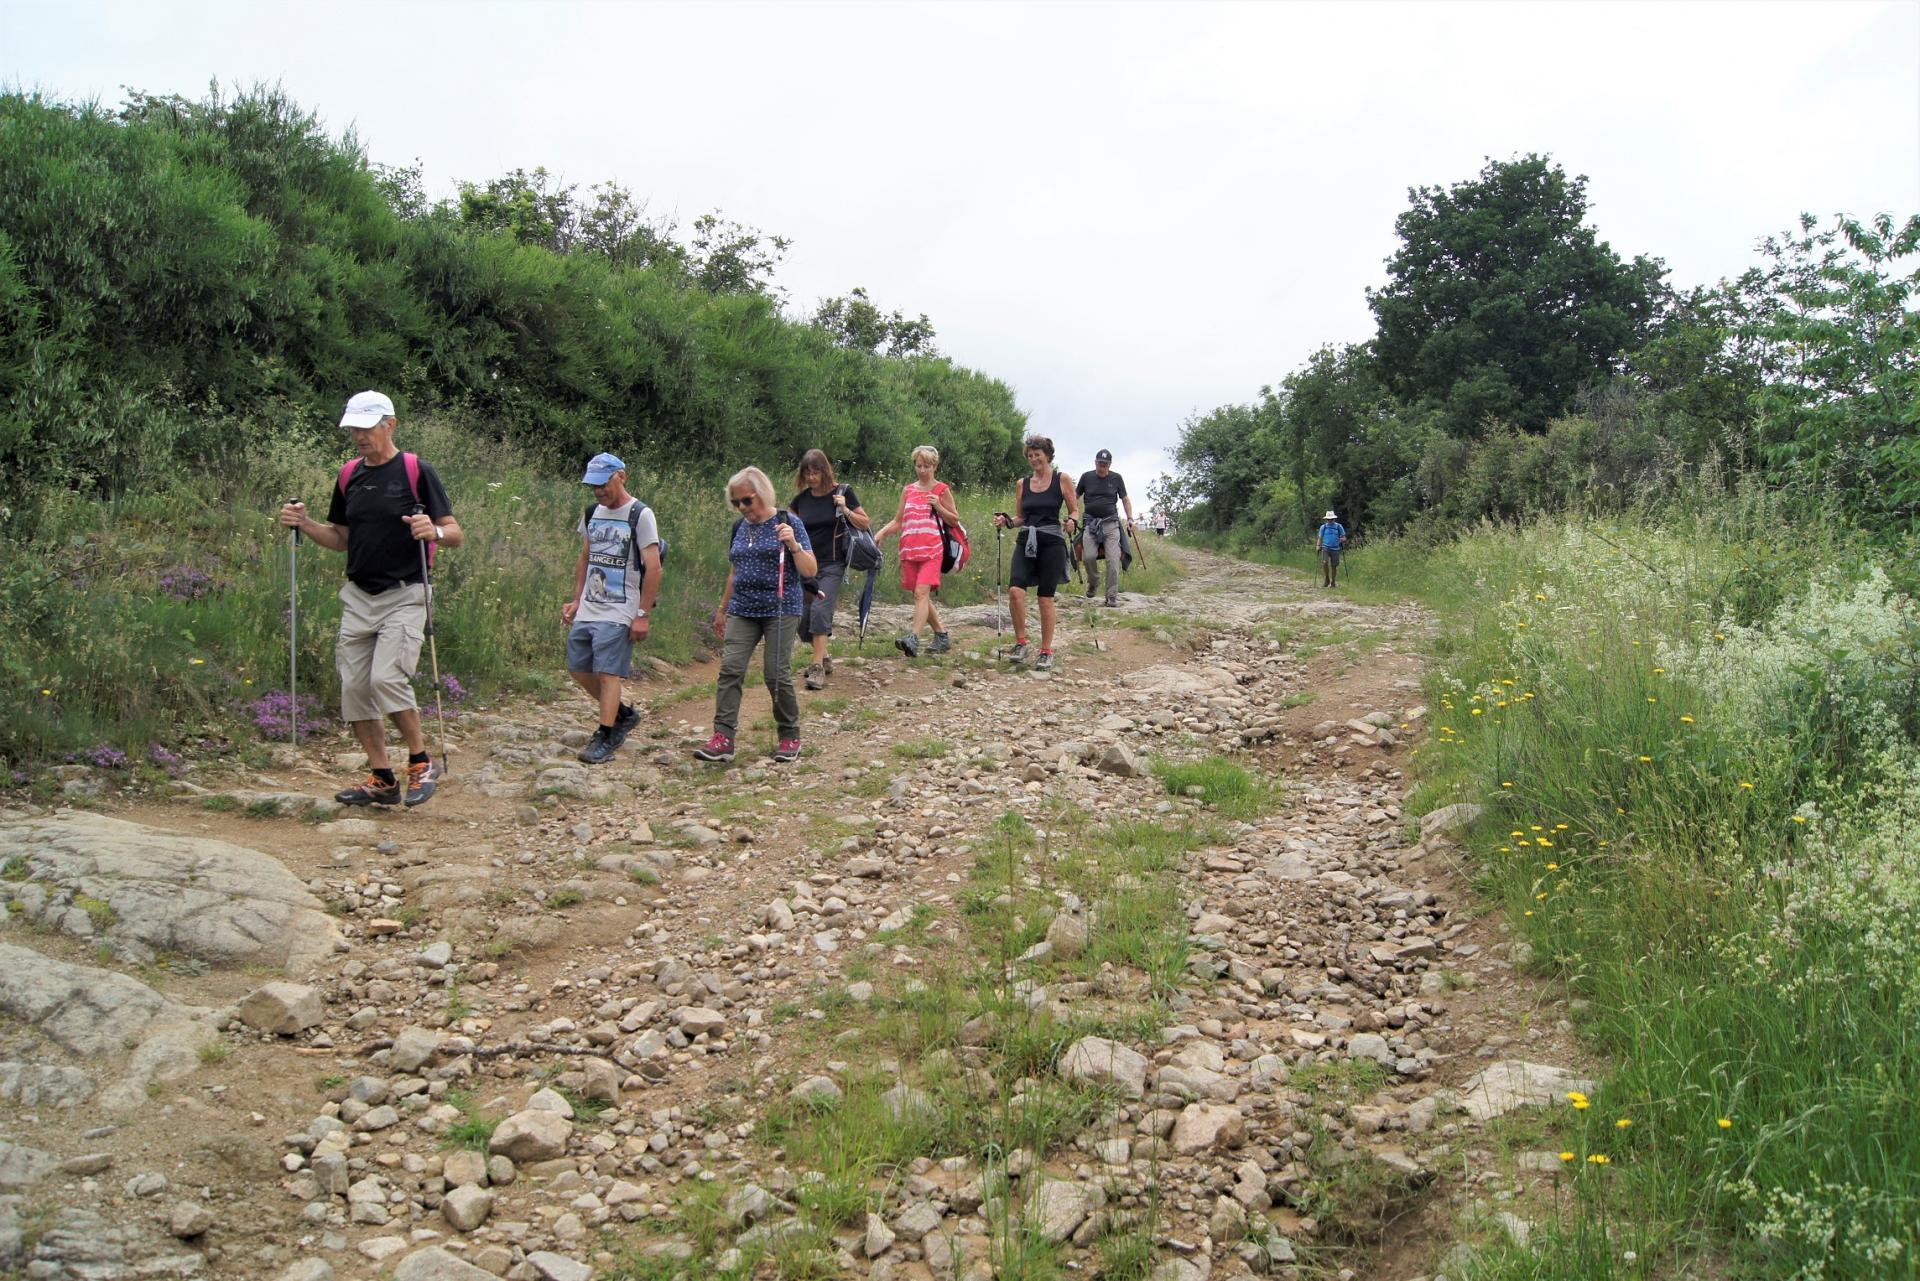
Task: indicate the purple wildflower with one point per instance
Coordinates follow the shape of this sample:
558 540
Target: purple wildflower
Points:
184 582
272 710
168 761
106 756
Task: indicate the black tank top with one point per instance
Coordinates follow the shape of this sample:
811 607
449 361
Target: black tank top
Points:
1042 508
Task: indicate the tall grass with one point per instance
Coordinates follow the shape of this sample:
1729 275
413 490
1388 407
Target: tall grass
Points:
161 616
1696 737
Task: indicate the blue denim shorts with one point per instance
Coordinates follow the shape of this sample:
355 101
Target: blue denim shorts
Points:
603 648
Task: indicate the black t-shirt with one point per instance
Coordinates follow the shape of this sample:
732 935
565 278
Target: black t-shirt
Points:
1102 495
819 515
381 551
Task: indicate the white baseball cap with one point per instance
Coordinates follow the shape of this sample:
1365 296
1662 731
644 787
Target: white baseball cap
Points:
367 409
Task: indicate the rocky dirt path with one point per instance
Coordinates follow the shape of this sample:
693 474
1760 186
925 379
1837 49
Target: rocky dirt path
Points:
970 991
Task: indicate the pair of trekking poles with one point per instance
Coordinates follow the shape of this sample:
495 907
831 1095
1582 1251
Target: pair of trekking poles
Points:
999 532
293 641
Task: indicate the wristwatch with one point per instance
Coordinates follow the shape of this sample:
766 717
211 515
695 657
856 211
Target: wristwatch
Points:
438 533
639 613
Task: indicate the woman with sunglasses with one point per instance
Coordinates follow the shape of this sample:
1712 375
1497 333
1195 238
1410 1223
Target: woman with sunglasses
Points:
770 554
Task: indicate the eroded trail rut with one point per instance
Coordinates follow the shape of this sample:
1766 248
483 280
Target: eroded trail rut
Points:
965 993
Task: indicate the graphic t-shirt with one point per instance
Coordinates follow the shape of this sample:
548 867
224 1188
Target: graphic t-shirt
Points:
756 554
612 593
381 550
920 537
1102 494
821 517
1331 535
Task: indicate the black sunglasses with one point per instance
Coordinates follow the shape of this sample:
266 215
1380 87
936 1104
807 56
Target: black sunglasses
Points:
748 501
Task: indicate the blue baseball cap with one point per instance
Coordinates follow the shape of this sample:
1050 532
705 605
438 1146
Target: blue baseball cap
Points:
601 468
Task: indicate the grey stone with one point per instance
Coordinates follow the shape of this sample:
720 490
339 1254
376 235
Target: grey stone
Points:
879 1238
283 1009
34 1085
436 1264
917 1220
189 1219
557 1267
1370 1045
1511 1084
1068 935
1119 760
1057 1208
551 1100
413 1048
820 1088
465 1168
99 1014
698 1020
1204 1127
318 1270
1098 1061
466 1207
208 899
1449 820
22 1167
531 1135
749 1205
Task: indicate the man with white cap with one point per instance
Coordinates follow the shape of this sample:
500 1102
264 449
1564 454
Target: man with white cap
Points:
1332 537
385 504
615 583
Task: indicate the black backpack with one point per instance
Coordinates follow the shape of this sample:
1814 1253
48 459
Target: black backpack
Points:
633 539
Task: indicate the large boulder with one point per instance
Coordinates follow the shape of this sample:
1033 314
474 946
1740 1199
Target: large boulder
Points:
1098 1061
211 900
1512 1083
532 1135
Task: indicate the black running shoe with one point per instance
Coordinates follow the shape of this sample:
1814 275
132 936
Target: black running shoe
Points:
375 791
422 781
623 724
600 747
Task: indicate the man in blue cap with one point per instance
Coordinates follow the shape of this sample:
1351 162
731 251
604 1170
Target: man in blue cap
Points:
615 585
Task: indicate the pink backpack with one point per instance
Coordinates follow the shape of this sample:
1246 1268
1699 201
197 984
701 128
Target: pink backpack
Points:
412 463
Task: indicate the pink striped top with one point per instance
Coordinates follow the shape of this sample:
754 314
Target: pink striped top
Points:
920 531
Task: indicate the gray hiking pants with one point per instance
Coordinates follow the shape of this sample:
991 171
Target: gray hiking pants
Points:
1102 531
776 664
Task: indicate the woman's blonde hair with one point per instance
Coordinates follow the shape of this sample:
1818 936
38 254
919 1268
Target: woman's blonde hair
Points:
927 452
755 479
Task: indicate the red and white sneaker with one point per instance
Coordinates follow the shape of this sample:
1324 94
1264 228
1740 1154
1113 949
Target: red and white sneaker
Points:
789 750
717 748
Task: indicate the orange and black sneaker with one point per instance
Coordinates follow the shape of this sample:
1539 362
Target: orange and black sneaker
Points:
375 791
422 779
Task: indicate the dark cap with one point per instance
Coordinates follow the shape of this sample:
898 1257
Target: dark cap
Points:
1104 456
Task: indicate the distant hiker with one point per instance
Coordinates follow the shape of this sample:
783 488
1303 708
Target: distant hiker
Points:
822 504
1040 551
615 583
762 601
384 505
1332 537
1104 492
923 505
1160 524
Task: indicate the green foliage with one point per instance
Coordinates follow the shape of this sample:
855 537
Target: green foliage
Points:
1704 815
1217 782
1501 302
180 264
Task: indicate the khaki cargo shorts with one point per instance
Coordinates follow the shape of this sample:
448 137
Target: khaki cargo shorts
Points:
378 649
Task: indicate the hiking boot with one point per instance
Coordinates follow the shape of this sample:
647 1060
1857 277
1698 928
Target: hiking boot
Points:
826 664
600 747
1046 661
942 642
375 791
1111 602
909 645
789 750
623 724
717 748
816 676
1018 654
422 781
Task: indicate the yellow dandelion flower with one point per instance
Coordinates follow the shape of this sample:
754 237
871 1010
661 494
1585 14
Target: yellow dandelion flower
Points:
1540 897
1536 827
1622 1124
1559 827
1506 784
1598 1158
1652 699
1566 1156
1576 1098
1544 843
1799 818
1686 720
1553 867
1539 596
1719 636
1725 1123
1505 681
1476 711
1529 912
47 692
1646 760
1506 849
198 662
1745 786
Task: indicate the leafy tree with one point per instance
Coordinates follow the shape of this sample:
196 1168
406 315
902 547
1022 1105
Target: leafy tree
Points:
1501 303
529 207
854 321
730 258
1836 319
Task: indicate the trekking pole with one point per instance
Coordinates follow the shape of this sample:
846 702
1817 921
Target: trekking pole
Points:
293 637
433 649
999 532
780 622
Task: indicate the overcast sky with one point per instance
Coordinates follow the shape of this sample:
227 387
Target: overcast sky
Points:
1128 212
